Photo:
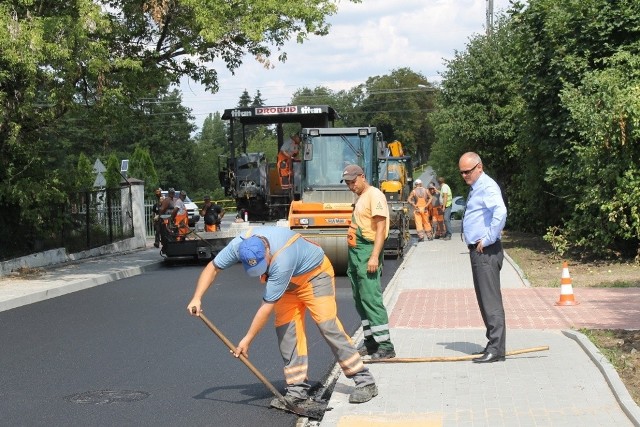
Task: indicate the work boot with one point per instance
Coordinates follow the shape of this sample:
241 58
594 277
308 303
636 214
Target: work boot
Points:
306 407
383 353
363 394
294 401
363 350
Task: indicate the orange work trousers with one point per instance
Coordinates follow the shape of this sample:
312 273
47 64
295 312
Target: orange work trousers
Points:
313 291
423 224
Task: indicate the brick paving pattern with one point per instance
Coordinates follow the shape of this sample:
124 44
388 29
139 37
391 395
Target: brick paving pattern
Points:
526 308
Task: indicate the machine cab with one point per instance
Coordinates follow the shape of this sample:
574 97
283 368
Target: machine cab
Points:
327 151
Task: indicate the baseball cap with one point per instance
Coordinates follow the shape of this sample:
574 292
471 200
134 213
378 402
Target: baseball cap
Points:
351 172
207 197
431 185
252 255
418 181
183 193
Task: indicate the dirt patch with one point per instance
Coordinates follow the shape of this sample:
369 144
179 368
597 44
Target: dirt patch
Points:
543 268
622 348
26 273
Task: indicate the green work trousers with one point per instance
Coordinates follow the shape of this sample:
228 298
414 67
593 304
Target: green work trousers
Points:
367 294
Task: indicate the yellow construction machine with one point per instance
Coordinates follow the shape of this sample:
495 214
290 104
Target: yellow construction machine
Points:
396 175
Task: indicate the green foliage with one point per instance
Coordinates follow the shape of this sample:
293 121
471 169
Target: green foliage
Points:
112 175
264 141
399 105
479 108
245 100
84 173
558 241
210 147
580 68
141 167
550 101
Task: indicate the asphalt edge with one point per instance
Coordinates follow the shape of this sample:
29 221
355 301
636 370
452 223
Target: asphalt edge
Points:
77 286
626 402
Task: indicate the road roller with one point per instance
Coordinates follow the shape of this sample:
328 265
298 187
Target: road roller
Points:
322 214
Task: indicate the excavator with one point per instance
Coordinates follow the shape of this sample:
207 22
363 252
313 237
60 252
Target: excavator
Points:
396 175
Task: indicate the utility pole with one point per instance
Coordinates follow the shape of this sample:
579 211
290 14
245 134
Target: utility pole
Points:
489 16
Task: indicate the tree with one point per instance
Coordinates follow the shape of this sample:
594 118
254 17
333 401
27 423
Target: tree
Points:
141 167
399 104
605 108
341 101
84 65
112 175
572 53
84 173
479 108
211 145
257 99
245 100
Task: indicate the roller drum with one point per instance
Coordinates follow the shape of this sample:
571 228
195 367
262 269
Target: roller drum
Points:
334 244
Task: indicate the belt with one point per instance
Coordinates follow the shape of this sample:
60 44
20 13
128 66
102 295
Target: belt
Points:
473 246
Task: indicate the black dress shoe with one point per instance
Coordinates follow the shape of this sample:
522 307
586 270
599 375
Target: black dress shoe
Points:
489 358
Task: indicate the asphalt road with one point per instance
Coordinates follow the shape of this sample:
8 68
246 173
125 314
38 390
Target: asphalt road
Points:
127 353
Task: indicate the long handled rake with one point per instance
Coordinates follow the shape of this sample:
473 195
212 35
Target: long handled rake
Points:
309 413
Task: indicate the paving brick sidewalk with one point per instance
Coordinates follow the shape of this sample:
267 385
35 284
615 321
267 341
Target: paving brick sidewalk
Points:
529 308
433 312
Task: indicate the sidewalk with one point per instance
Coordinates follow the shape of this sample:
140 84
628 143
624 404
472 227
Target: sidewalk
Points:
433 312
16 291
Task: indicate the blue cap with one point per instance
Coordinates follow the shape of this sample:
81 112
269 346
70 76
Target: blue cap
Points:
252 254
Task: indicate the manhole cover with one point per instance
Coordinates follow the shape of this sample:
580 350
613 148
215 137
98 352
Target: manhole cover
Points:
103 397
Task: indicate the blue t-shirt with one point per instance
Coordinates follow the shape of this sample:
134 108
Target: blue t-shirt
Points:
298 258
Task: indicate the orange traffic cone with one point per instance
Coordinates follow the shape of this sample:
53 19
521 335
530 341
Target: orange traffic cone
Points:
566 290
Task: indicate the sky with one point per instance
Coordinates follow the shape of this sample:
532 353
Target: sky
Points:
366 39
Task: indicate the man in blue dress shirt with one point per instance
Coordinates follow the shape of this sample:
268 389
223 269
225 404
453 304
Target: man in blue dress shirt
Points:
482 225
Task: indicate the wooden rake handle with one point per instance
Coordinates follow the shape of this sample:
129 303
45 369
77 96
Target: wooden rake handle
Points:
450 358
244 360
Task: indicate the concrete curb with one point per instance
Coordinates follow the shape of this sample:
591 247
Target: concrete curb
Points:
517 269
389 298
609 373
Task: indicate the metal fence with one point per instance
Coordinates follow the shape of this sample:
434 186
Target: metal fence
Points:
86 220
98 218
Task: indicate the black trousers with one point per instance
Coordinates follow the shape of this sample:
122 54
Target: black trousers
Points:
485 268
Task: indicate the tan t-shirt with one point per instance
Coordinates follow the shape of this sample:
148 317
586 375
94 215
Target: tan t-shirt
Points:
371 203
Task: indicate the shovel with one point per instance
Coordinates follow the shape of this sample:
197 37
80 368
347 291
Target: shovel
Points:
304 412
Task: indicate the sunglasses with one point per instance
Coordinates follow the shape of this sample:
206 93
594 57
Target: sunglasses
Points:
468 171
